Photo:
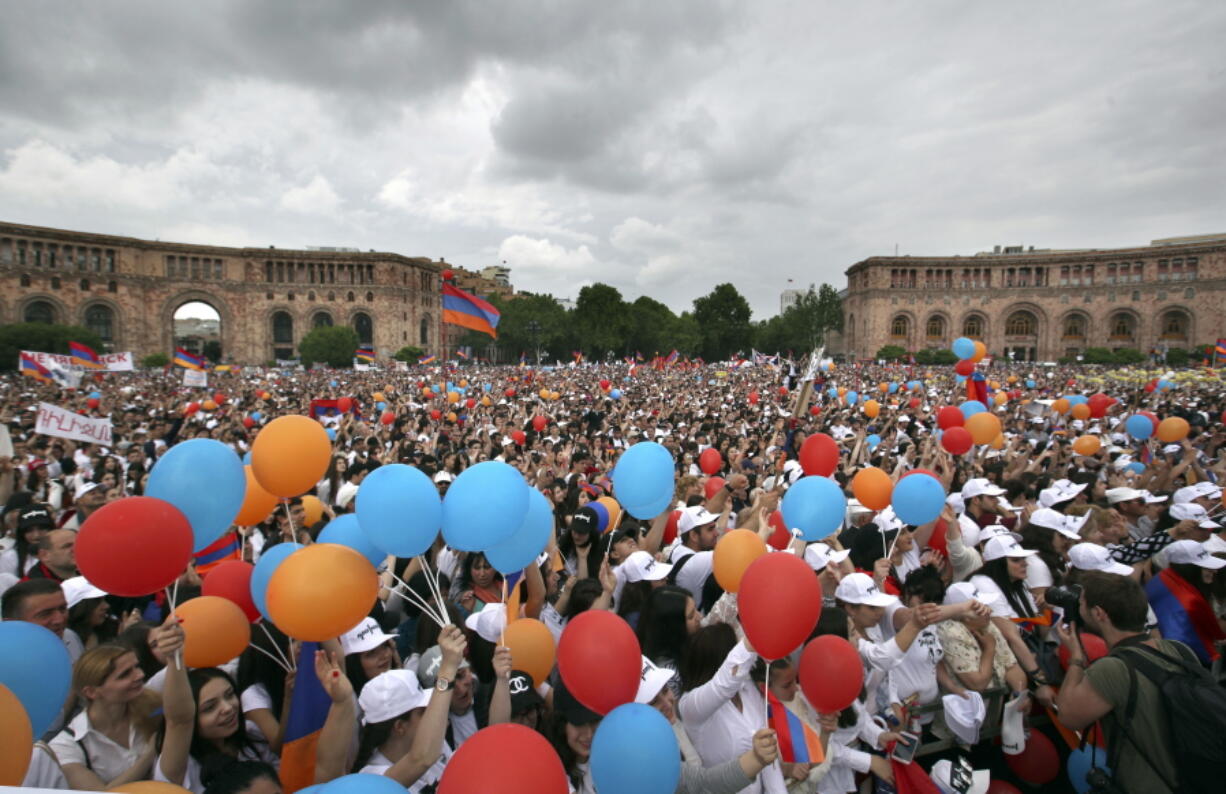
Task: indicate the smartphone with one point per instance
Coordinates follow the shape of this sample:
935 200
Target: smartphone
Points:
905 748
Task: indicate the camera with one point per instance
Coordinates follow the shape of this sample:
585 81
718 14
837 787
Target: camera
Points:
1068 598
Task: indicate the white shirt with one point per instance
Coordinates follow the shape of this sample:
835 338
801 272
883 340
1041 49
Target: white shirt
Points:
8 563
463 726
44 772
191 778
1002 608
379 764
917 671
107 759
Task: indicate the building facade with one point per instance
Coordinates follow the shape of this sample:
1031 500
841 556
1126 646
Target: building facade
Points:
128 290
1033 305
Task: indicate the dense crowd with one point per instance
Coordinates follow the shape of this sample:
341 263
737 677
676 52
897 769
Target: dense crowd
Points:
993 638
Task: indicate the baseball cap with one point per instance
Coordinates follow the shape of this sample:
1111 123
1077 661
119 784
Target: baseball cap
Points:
428 664
1092 557
571 709
33 516
965 715
696 516
961 592
859 588
1050 519
997 531
1215 545
1190 511
584 520
942 775
78 589
1185 494
489 623
980 486
1190 552
819 555
1117 495
85 488
641 566
1153 499
443 476
651 681
366 636
523 695
1050 497
1000 546
390 695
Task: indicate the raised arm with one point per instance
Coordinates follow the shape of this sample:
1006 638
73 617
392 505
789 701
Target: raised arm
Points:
178 706
332 751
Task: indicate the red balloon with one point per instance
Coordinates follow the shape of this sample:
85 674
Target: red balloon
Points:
964 367
219 398
231 580
191 408
712 486
604 385
780 538
780 601
248 422
819 455
950 416
1152 417
1001 787
831 674
436 414
710 461
525 761
344 404
957 440
600 659
783 391
915 402
814 410
470 403
1094 646
1223 418
509 392
448 275
539 423
1039 763
388 417
936 541
93 402
670 529
1149 387
135 546
753 398
519 437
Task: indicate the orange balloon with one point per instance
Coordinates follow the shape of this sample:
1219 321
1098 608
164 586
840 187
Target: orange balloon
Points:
1001 398
873 488
290 455
16 737
453 397
463 383
1081 411
150 787
883 387
1172 428
544 394
998 442
553 395
615 510
1087 445
486 401
426 391
215 630
532 648
378 397
994 384
981 350
451 417
312 509
209 405
1060 406
983 427
320 592
842 390
1012 379
871 409
733 554
257 503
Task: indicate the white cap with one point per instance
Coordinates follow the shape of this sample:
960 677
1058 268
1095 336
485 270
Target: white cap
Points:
1209 489
942 772
1190 552
695 516
366 636
1092 557
1075 523
1153 499
1050 519
390 695
641 566
999 547
443 476
1215 545
1117 495
77 589
1171 449
1189 511
1185 494
651 681
954 500
997 531
859 588
489 623
965 715
819 555
85 488
961 592
980 486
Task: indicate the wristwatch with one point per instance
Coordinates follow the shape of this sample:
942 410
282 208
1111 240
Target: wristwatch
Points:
443 684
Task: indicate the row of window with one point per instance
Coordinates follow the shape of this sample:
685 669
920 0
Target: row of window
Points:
350 297
1178 269
99 317
195 268
56 256
283 327
1174 324
84 284
277 272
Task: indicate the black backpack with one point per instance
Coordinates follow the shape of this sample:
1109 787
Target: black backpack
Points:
1195 714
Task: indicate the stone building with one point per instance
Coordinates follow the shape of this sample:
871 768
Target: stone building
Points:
1042 305
128 291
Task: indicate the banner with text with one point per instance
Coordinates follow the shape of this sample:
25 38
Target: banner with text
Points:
196 378
111 362
62 423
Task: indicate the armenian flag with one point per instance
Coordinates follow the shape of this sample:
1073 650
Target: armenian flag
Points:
35 370
798 743
578 356
672 357
469 311
1184 614
461 355
84 356
188 360
228 547
308 710
365 354
1219 352
423 360
523 359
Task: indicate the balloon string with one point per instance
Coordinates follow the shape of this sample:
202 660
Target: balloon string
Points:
766 688
289 517
432 577
280 662
506 606
289 666
416 600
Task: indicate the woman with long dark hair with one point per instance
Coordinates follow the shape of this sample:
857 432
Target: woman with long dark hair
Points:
667 623
265 689
571 729
477 585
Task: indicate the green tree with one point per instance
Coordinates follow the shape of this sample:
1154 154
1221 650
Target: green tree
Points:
155 360
41 338
333 345
1098 355
935 356
600 321
1177 358
652 327
891 353
723 317
1127 355
686 336
409 354
212 350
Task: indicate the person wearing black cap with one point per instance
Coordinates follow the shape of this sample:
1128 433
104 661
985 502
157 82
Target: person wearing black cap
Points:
34 521
571 731
580 551
526 702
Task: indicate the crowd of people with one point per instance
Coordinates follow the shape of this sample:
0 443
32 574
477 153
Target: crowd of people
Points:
1033 609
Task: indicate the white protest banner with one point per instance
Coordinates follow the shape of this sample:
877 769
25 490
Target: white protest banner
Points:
111 362
196 378
62 423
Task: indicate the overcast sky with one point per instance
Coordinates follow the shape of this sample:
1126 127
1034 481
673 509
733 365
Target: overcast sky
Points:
658 146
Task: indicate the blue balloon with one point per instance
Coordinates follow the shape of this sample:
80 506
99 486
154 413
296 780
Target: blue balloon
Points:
331 431
643 480
851 397
399 510
815 506
363 783
615 394
256 415
971 407
1139 427
914 384
521 549
484 506
963 347
959 379
344 530
1079 764
247 459
96 395
1078 399
873 440
205 480
435 388
635 750
833 392
486 386
332 383
918 499
35 667
1029 383
892 388
264 569
381 406
1136 467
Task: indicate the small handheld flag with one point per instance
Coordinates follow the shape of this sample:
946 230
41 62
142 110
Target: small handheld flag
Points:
422 360
35 370
84 356
365 354
188 360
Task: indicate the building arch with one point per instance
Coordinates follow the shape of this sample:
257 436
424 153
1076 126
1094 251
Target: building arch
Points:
364 325
901 329
1023 330
102 316
40 305
1075 327
936 329
176 301
1123 328
1174 326
974 325
321 318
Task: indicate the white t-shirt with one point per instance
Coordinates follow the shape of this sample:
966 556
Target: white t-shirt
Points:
916 673
463 726
379 764
1002 609
256 697
107 759
8 563
191 778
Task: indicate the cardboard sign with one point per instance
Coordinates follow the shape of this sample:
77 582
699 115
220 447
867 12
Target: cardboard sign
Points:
196 378
111 362
62 423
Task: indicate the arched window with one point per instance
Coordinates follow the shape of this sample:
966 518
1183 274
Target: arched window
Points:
900 326
424 338
973 327
1174 325
1020 324
936 327
321 319
101 320
40 312
1075 327
349 297
370 297
1122 326
365 328
282 328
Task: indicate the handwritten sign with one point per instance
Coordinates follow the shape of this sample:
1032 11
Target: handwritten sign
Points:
196 378
62 423
111 362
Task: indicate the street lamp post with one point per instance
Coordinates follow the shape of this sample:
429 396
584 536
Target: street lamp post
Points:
534 328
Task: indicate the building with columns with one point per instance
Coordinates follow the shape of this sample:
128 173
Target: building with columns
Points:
1041 305
128 290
